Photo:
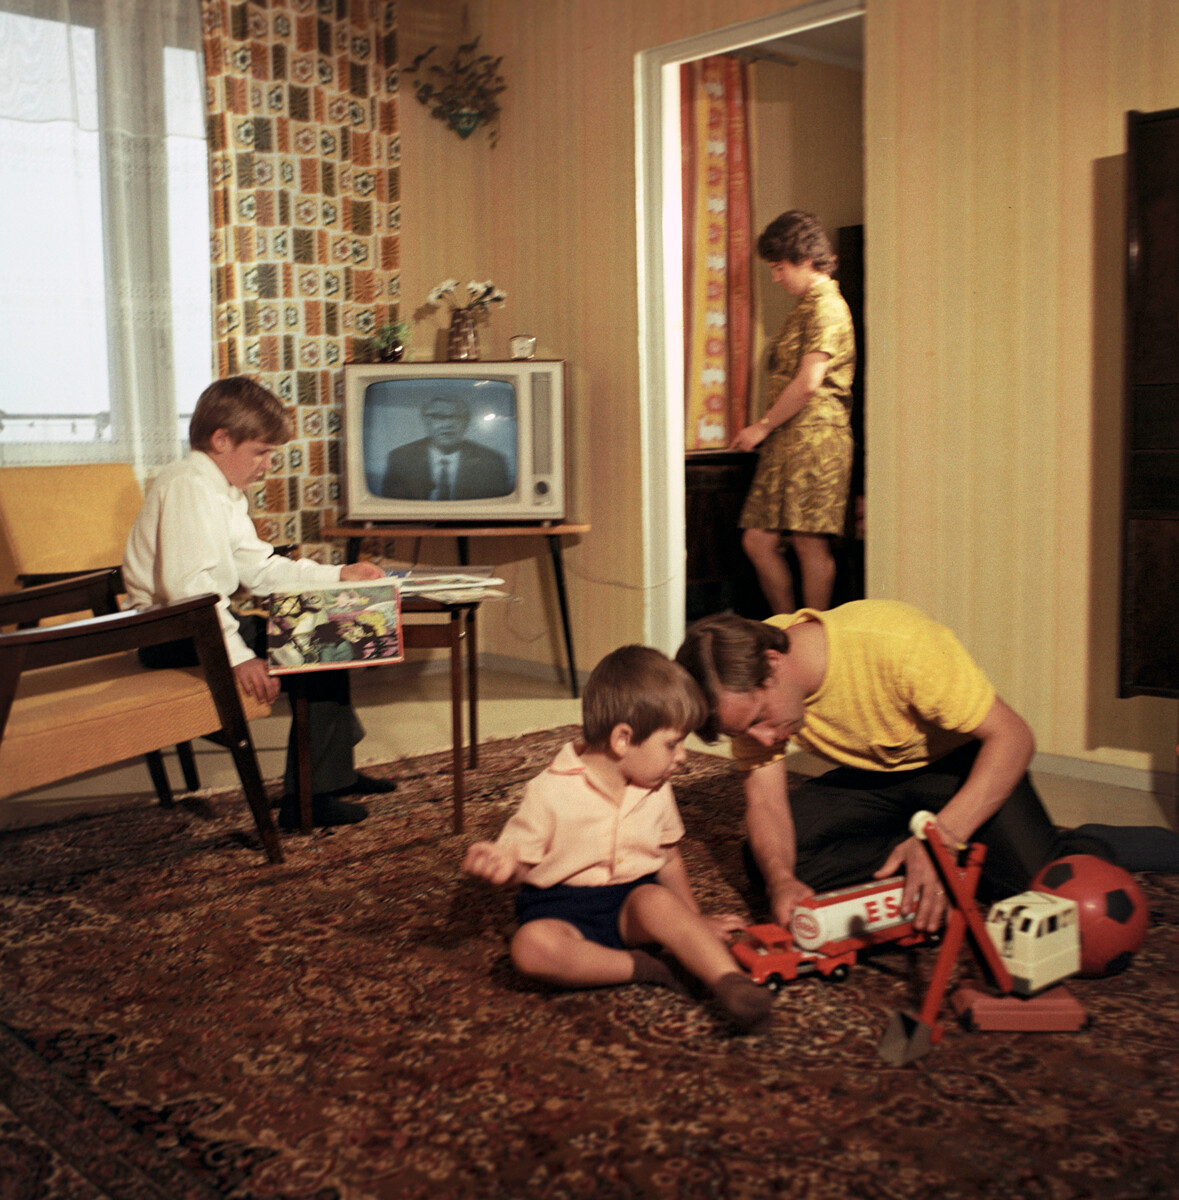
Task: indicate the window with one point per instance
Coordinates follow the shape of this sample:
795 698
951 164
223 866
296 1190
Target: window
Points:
105 307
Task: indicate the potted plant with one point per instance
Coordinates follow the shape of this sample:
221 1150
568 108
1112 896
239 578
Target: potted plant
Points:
388 341
465 93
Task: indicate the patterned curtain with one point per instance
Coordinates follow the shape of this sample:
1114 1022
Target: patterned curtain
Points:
303 149
717 247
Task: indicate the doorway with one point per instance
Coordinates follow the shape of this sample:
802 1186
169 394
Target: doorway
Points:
661 295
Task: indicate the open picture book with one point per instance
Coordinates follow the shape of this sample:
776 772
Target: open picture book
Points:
341 625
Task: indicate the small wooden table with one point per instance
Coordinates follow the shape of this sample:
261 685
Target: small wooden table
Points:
387 531
416 634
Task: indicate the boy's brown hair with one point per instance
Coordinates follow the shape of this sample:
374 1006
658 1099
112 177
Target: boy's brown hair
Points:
243 408
729 652
639 687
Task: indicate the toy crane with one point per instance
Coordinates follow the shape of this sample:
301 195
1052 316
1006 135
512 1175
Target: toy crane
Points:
910 1035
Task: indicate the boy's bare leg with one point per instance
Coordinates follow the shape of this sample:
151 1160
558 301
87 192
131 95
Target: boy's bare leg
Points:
653 913
556 952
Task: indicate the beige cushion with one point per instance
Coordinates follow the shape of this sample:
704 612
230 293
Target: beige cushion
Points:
80 716
73 518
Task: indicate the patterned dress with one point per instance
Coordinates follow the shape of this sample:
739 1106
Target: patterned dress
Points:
803 475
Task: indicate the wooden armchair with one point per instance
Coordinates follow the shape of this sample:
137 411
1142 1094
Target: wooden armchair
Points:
58 522
75 697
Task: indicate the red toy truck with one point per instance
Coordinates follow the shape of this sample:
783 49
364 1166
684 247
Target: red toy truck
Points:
827 933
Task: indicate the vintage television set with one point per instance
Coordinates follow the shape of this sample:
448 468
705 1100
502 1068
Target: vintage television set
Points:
500 426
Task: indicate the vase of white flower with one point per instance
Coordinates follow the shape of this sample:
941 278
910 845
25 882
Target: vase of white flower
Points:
462 340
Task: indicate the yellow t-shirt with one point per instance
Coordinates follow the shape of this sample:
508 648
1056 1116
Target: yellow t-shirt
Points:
900 691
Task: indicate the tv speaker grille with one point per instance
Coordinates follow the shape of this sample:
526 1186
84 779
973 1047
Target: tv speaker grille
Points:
542 426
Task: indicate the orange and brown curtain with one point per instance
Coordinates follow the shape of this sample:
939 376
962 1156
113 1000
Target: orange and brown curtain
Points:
304 153
718 319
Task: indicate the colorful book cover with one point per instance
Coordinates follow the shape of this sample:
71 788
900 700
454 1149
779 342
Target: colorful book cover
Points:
344 625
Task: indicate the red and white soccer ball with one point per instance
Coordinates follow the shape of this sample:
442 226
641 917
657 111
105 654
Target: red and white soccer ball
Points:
1111 909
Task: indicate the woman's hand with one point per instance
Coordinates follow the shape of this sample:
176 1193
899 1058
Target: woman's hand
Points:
751 436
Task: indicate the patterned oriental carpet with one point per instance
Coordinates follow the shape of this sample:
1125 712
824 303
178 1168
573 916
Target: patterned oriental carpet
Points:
179 1021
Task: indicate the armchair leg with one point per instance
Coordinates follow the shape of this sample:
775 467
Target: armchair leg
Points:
188 767
247 770
159 778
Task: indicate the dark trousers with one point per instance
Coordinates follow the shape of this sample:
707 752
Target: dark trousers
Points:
847 821
333 728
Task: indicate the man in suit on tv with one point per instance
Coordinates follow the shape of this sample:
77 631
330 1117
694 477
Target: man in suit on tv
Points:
446 465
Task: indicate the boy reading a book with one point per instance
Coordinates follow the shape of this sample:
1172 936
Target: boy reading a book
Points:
593 848
194 535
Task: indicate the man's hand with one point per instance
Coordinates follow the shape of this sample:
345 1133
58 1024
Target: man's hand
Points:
255 680
923 894
725 923
785 896
486 860
360 570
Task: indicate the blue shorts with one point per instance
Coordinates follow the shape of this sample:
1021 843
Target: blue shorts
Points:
593 911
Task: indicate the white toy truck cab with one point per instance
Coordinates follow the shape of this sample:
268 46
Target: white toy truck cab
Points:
1038 938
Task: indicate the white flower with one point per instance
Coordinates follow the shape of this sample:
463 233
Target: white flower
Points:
442 291
480 296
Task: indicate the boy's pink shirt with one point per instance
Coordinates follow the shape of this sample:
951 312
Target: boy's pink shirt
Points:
572 832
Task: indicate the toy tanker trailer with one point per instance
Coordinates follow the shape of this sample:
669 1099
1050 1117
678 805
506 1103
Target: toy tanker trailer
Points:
827 933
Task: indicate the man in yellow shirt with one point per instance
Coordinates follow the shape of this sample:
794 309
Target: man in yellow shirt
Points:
910 721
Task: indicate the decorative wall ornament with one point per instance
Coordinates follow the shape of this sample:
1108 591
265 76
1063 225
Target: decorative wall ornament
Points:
465 93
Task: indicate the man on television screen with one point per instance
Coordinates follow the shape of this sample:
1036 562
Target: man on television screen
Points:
445 464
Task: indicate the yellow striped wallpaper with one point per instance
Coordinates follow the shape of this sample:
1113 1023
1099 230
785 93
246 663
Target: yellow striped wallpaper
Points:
993 136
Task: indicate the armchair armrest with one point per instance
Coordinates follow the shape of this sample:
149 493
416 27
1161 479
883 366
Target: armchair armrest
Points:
96 592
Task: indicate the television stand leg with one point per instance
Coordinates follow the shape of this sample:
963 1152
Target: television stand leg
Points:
554 541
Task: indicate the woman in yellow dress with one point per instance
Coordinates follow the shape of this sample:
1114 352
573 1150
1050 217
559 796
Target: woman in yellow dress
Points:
802 479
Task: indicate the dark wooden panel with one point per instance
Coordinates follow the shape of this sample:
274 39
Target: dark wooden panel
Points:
1152 483
720 577
1154 247
1154 417
1150 609
1149 629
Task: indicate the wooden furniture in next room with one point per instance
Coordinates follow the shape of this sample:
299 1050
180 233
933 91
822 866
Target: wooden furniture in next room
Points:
384 531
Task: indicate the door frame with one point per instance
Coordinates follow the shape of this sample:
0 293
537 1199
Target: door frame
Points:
659 209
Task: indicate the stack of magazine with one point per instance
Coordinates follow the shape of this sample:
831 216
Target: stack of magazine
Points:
467 583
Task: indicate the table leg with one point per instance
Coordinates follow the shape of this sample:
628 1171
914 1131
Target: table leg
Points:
554 541
472 689
302 761
456 713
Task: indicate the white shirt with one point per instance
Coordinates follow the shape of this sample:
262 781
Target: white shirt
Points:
194 535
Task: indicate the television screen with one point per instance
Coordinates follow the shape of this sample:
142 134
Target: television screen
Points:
464 442
440 439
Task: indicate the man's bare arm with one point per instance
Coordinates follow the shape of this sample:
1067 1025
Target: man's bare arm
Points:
770 825
1003 758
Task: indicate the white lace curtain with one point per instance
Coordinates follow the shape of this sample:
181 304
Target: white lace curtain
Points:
105 304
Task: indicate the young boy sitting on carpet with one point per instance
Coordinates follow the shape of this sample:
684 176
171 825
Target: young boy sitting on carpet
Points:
593 846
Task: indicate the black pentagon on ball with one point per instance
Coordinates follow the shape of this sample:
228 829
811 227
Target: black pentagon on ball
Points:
1118 906
1057 874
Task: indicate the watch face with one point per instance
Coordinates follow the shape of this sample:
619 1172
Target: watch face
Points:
522 346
